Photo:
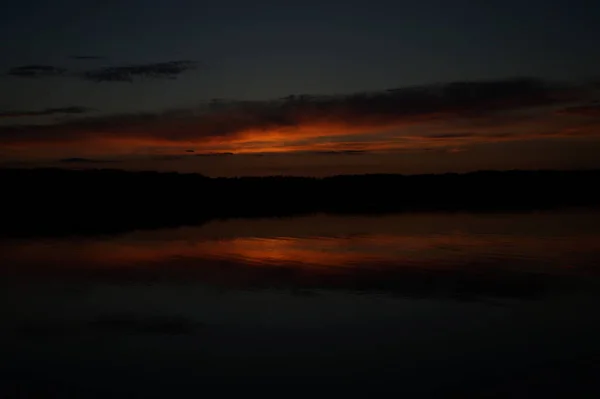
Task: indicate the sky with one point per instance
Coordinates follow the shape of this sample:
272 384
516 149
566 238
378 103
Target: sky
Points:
300 88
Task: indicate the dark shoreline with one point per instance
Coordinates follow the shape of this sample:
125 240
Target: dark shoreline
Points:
59 202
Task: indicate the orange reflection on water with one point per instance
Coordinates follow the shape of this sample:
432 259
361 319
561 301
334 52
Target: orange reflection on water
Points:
305 252
164 249
130 252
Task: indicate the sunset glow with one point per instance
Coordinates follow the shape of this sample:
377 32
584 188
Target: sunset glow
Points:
405 120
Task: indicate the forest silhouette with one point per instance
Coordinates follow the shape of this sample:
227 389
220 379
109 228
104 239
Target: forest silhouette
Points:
55 201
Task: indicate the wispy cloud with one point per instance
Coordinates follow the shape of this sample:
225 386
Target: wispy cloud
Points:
127 73
119 73
36 71
45 112
82 160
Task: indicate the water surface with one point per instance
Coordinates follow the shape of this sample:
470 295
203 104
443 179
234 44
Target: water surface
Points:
430 305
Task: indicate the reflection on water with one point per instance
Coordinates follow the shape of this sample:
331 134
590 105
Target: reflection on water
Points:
494 298
561 241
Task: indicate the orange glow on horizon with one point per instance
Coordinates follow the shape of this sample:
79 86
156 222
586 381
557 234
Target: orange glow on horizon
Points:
439 130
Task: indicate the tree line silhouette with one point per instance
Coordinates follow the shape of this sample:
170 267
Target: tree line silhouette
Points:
56 201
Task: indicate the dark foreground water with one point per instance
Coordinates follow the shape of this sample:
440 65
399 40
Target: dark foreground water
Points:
426 305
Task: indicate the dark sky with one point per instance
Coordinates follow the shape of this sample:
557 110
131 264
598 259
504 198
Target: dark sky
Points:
131 80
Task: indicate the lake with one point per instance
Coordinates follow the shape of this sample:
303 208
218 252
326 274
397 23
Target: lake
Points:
421 304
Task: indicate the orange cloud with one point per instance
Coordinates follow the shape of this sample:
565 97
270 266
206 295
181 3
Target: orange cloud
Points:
451 116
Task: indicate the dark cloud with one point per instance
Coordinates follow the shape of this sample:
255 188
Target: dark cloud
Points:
45 112
168 157
341 152
450 135
215 154
82 160
124 73
36 71
458 98
127 73
583 110
177 157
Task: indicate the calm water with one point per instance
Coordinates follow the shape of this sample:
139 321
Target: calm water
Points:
430 305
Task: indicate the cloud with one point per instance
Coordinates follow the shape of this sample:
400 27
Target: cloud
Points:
592 110
215 154
82 160
36 71
450 115
127 73
123 73
451 135
45 112
341 152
